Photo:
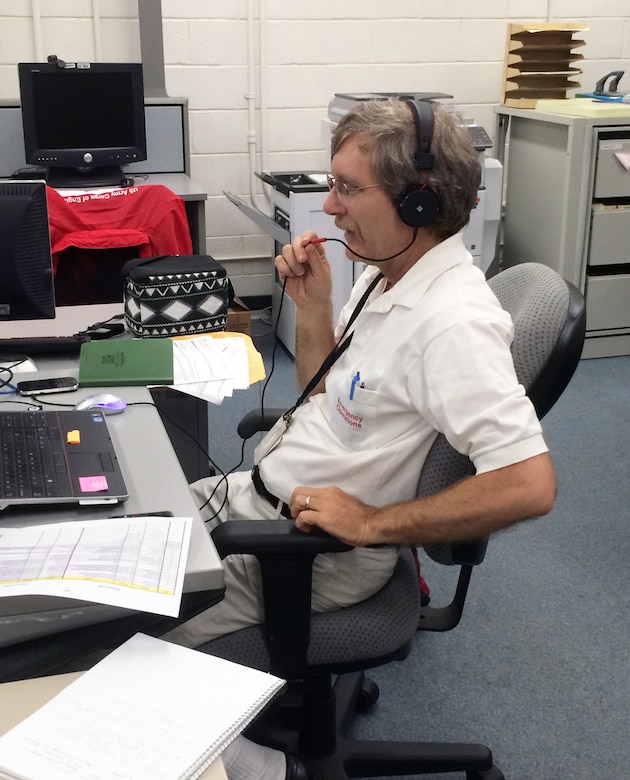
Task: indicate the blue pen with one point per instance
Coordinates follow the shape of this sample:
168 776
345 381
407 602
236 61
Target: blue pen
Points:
356 378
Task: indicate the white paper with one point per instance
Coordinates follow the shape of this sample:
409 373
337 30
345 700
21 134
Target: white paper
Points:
137 563
210 369
150 710
624 159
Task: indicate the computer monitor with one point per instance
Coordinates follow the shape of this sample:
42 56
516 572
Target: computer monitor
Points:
82 121
26 272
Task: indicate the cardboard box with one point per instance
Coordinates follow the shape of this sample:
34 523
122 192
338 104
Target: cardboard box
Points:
239 318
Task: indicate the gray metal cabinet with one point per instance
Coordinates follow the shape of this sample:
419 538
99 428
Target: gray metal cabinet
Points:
567 204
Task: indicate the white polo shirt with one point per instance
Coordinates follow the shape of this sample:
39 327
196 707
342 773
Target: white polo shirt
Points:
432 354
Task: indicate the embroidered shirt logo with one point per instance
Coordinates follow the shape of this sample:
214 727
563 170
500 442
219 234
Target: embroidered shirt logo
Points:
355 420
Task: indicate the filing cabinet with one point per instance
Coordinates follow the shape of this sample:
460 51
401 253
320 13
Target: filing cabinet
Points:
567 204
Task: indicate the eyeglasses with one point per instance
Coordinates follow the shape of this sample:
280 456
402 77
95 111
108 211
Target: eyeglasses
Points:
345 190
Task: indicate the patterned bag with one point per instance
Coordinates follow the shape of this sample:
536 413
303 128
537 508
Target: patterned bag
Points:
175 295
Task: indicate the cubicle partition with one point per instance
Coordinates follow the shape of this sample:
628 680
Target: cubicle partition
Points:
167 137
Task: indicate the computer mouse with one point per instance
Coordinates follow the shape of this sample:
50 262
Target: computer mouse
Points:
108 403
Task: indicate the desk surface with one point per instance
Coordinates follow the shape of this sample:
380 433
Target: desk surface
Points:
154 478
180 183
20 699
67 320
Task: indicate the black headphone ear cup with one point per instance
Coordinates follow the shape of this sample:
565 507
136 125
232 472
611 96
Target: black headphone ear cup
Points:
418 207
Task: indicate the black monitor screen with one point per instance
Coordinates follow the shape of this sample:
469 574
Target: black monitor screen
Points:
26 275
74 112
84 121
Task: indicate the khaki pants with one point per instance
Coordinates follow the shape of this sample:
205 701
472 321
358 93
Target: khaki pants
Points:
339 579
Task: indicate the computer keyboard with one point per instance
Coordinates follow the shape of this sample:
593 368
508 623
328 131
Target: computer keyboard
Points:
42 345
32 459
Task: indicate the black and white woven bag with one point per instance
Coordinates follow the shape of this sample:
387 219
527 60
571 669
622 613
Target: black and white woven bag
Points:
175 295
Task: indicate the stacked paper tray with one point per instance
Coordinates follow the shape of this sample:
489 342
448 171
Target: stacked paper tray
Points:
540 63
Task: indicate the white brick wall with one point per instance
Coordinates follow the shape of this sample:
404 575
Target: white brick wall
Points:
313 49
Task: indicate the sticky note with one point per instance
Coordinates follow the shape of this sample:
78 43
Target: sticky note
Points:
74 437
93 484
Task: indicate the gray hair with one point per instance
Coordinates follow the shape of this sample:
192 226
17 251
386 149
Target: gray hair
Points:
387 130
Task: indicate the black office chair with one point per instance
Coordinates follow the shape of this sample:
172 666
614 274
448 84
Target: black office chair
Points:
311 650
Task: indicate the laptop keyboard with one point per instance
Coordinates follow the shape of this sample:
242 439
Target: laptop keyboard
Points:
32 458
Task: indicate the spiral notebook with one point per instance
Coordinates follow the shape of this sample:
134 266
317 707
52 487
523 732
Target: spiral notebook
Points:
150 710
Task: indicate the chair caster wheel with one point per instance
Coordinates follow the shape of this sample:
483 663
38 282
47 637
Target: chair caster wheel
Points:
368 696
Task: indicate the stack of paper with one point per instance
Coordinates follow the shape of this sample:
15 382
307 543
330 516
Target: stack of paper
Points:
583 107
210 367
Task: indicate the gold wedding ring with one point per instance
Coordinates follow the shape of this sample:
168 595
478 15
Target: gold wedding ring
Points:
307 503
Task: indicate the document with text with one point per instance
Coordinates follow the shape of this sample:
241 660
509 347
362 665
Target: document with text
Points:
150 710
230 362
137 562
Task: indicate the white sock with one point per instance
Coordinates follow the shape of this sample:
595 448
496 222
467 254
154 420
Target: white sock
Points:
246 760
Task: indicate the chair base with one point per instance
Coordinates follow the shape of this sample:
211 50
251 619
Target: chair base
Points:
333 756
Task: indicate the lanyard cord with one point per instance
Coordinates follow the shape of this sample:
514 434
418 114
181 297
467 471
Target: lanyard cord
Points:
337 351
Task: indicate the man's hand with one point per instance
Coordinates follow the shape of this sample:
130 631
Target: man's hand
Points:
474 507
334 511
306 270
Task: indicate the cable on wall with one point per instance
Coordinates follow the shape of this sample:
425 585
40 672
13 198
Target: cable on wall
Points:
96 31
257 137
37 31
250 97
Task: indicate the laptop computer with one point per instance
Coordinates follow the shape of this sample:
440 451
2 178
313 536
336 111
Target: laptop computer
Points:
58 457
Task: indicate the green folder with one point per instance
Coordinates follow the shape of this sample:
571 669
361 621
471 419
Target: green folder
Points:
126 362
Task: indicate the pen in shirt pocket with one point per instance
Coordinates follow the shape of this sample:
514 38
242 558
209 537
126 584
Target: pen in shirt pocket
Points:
356 380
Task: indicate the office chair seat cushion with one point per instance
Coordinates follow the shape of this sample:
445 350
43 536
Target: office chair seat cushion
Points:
365 634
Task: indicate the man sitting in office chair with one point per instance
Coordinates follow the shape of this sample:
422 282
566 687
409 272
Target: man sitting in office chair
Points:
422 347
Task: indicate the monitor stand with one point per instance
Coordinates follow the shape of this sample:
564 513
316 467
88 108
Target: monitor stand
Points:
84 178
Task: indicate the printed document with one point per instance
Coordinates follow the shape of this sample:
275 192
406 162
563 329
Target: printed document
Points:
235 365
137 563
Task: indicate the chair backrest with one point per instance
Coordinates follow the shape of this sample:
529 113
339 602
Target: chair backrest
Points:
549 316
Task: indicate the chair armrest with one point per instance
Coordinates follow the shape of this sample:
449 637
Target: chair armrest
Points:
257 421
272 537
285 555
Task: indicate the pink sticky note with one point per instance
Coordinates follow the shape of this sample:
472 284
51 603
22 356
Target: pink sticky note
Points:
93 484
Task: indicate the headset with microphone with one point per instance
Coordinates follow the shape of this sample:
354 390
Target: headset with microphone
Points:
418 205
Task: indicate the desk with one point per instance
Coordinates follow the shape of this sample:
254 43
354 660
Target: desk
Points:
20 699
189 415
156 483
